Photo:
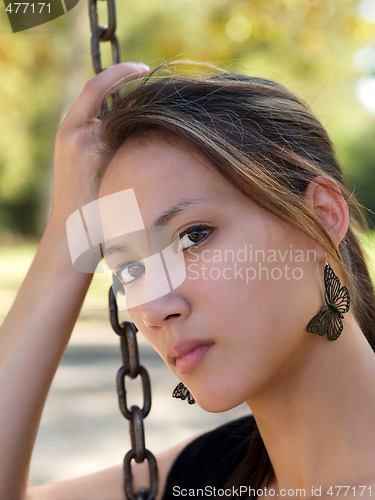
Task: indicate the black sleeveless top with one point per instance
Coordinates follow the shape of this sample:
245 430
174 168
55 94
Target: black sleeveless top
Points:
206 463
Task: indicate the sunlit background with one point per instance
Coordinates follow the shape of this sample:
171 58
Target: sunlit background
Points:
324 50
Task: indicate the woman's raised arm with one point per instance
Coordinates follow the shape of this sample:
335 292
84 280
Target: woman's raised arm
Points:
36 331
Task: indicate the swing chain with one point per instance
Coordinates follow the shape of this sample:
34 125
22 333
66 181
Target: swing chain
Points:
132 368
101 33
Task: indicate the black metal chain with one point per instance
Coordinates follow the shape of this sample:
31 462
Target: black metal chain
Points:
132 368
127 331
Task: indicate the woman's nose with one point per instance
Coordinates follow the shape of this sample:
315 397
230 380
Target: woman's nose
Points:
166 309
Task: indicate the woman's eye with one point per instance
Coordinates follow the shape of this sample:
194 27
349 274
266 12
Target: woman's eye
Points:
130 272
192 236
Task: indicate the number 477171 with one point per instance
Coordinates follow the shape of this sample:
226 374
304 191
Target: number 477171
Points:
27 7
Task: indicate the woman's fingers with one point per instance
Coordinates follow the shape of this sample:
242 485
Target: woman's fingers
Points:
87 103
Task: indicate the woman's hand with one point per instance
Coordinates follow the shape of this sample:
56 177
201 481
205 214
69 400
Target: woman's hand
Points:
75 148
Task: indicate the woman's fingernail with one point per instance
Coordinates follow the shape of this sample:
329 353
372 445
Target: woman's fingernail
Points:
142 67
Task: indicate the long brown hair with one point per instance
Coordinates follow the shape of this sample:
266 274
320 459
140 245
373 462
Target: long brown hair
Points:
266 143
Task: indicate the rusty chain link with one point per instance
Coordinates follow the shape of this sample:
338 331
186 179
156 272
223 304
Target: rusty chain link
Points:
101 33
127 331
132 368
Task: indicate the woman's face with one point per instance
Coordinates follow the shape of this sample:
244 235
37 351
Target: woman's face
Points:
236 326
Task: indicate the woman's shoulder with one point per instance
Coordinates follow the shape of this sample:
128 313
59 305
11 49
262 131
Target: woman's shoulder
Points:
231 435
209 459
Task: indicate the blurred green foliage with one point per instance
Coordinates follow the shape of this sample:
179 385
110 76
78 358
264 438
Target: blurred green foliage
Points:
308 45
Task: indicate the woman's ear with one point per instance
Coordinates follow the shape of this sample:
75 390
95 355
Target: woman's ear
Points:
324 196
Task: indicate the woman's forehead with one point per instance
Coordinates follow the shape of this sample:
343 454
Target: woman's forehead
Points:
164 174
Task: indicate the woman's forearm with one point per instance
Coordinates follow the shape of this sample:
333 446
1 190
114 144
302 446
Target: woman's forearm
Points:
33 338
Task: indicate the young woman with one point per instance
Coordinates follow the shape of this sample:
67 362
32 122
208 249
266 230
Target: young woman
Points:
276 308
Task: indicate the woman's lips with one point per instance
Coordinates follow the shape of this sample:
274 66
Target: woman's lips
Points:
190 357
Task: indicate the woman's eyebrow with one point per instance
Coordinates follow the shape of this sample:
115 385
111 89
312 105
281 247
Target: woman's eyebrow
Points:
115 249
167 215
162 220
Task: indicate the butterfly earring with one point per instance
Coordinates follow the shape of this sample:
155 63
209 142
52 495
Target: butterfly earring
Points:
183 392
329 318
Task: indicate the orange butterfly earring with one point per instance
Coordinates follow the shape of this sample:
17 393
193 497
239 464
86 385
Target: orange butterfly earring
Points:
329 318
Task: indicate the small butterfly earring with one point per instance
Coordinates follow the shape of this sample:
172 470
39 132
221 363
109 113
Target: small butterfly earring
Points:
329 318
183 392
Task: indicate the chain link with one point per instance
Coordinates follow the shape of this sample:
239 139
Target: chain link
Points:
133 369
101 33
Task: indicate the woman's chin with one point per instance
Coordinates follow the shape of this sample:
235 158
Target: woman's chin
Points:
216 404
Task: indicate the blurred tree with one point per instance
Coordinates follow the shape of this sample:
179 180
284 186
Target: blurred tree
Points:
39 79
358 155
308 45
